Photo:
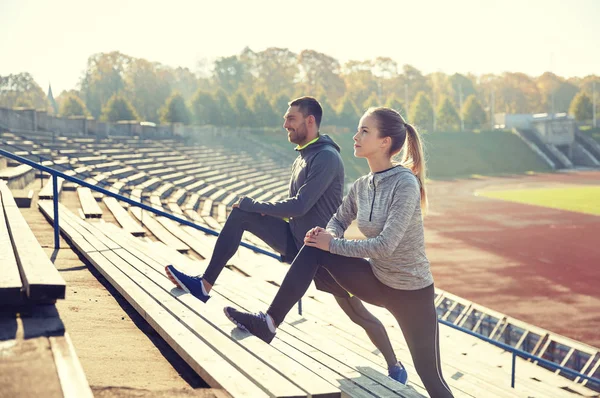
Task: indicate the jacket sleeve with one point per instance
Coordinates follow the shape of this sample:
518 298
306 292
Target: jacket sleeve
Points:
344 215
406 197
322 171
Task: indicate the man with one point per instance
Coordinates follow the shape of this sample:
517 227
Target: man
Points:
315 193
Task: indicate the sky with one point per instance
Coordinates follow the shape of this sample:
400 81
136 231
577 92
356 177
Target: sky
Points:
52 40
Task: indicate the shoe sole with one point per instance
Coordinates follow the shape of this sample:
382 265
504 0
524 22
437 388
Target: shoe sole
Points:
176 281
239 325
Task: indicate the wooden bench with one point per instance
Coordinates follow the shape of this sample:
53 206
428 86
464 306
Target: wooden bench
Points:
23 198
26 272
147 219
17 177
88 203
38 357
123 217
47 192
222 355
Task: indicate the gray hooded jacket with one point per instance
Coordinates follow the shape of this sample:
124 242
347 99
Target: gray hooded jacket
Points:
387 208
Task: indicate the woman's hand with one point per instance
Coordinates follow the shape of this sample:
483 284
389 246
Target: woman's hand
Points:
319 238
314 232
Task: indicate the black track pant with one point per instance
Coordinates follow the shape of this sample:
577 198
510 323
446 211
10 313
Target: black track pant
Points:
413 309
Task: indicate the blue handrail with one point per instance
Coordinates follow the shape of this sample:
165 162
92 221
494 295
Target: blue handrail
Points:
55 174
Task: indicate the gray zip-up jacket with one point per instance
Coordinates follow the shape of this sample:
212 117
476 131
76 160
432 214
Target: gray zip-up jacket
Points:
316 189
387 208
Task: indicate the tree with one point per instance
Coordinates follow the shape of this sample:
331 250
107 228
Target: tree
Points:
225 113
72 105
414 80
276 69
359 80
581 107
330 117
147 87
244 115
460 85
118 108
473 114
372 102
230 73
263 112
556 93
394 103
21 90
175 110
517 93
102 79
280 106
347 113
421 112
183 81
447 116
204 108
318 72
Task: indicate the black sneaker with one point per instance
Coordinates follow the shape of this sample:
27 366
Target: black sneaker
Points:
253 323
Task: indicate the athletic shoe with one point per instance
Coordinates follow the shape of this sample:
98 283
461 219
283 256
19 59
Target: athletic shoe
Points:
253 323
191 284
398 373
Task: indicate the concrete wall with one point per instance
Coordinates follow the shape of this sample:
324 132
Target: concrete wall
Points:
39 121
556 131
516 120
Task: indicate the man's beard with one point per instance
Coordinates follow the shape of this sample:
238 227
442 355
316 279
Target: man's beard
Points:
299 134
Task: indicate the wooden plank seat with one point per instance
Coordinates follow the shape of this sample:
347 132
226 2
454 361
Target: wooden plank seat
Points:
174 208
160 172
88 203
18 177
147 220
123 218
178 196
150 183
38 357
135 178
26 272
204 338
23 198
191 203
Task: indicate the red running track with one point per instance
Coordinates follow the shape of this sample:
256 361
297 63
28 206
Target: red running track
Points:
533 263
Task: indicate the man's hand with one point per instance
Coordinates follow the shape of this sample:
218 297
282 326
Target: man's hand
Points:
236 205
319 238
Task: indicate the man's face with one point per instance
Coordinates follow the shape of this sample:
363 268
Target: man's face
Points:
295 124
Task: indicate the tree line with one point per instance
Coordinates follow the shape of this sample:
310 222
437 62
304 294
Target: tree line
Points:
252 89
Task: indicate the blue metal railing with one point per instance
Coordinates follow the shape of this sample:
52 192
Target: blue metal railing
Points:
55 174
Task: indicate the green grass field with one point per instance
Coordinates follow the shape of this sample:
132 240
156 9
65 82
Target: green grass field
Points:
449 155
582 199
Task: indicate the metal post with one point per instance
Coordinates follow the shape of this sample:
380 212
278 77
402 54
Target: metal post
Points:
55 200
406 104
300 307
41 175
514 364
594 104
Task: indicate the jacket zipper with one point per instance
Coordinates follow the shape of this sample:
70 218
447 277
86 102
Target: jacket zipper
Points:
373 201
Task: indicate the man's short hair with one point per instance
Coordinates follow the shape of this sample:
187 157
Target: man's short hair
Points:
309 106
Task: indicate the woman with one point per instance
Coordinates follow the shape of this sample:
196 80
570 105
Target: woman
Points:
387 204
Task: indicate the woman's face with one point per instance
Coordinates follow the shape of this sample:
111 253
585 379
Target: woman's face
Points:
367 142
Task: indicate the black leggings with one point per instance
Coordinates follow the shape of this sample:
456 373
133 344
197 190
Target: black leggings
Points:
276 233
413 309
